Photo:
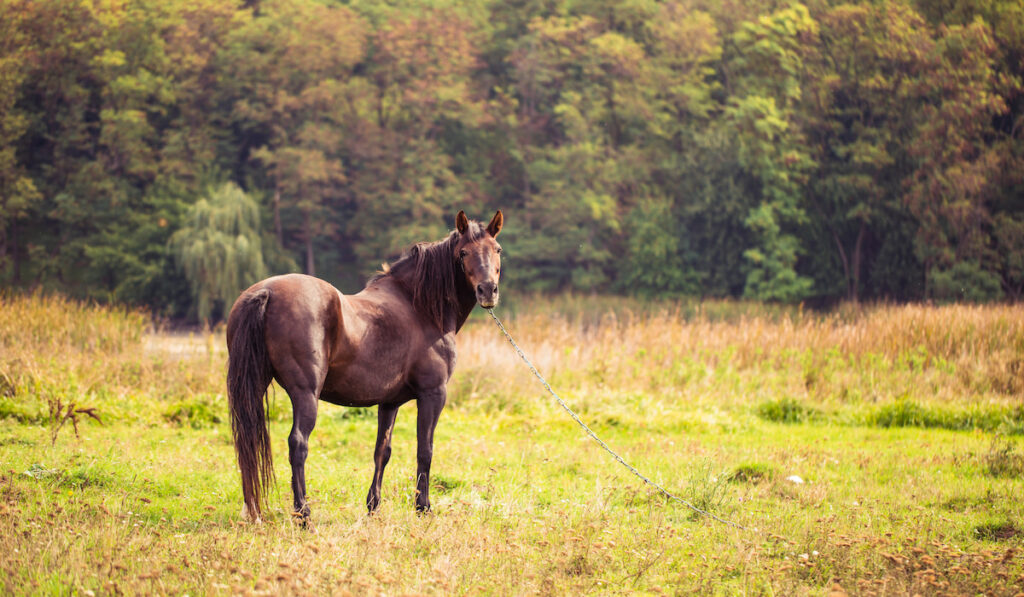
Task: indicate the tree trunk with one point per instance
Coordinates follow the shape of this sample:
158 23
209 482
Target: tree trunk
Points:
278 230
310 267
845 260
855 266
15 254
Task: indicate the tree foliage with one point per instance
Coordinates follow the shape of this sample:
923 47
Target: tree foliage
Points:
822 151
219 249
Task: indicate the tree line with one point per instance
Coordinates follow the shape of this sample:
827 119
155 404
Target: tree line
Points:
169 152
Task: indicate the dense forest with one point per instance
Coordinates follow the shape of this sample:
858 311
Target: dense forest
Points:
167 153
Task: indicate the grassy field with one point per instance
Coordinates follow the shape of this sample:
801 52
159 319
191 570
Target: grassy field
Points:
904 425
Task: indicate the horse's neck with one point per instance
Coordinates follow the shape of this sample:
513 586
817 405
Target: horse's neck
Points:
455 316
465 302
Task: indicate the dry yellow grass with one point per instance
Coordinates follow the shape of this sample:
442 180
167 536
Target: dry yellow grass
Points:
954 355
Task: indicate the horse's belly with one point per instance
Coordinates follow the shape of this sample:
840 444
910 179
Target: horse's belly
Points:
359 387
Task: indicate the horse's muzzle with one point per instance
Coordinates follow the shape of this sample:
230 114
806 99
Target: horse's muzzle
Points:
487 294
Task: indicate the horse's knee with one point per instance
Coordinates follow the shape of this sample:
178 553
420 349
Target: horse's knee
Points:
298 449
424 457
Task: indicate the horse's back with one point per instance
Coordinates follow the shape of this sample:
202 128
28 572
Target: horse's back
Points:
294 302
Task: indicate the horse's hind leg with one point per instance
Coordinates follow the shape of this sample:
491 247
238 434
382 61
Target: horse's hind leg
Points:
381 453
304 406
303 380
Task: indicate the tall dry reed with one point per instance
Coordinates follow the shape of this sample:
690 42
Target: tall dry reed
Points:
957 353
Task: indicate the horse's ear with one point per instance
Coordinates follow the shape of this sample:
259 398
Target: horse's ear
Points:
461 222
495 226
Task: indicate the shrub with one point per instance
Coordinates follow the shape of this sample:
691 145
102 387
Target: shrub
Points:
196 413
752 473
786 410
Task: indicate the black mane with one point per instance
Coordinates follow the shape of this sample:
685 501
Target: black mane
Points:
430 272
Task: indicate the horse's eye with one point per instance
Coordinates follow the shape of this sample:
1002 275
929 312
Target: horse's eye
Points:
499 250
463 253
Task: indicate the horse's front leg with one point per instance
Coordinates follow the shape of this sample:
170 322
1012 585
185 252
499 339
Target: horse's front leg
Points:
428 410
381 453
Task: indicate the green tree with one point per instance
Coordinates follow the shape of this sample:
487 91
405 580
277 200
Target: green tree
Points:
219 248
656 251
861 108
290 67
1009 234
106 108
768 62
17 190
587 86
416 87
851 150
951 187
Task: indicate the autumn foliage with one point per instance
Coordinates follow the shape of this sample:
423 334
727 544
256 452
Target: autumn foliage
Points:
869 150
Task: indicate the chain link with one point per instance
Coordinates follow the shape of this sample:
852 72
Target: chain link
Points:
599 441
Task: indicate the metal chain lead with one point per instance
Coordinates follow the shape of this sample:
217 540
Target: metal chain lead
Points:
600 442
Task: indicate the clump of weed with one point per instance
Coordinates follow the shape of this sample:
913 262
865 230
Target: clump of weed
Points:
61 413
1010 421
1003 460
999 529
444 484
904 413
81 477
17 441
40 471
787 410
196 413
707 487
77 478
754 472
52 347
353 414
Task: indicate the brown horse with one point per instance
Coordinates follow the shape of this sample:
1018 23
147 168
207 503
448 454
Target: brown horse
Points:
391 343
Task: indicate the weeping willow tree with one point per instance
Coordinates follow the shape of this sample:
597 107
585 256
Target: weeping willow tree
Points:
219 247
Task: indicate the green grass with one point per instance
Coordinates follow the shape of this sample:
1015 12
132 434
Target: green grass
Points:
526 511
786 410
905 413
911 465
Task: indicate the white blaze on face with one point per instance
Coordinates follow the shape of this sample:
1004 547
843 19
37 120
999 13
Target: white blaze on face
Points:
487 265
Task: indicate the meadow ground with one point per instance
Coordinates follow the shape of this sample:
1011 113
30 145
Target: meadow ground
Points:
903 422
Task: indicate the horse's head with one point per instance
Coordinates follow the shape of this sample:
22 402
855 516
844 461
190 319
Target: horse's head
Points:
480 256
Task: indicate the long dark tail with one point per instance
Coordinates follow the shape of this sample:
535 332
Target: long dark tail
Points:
249 374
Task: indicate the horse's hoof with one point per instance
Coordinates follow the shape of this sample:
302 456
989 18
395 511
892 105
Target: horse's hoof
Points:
249 517
302 519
